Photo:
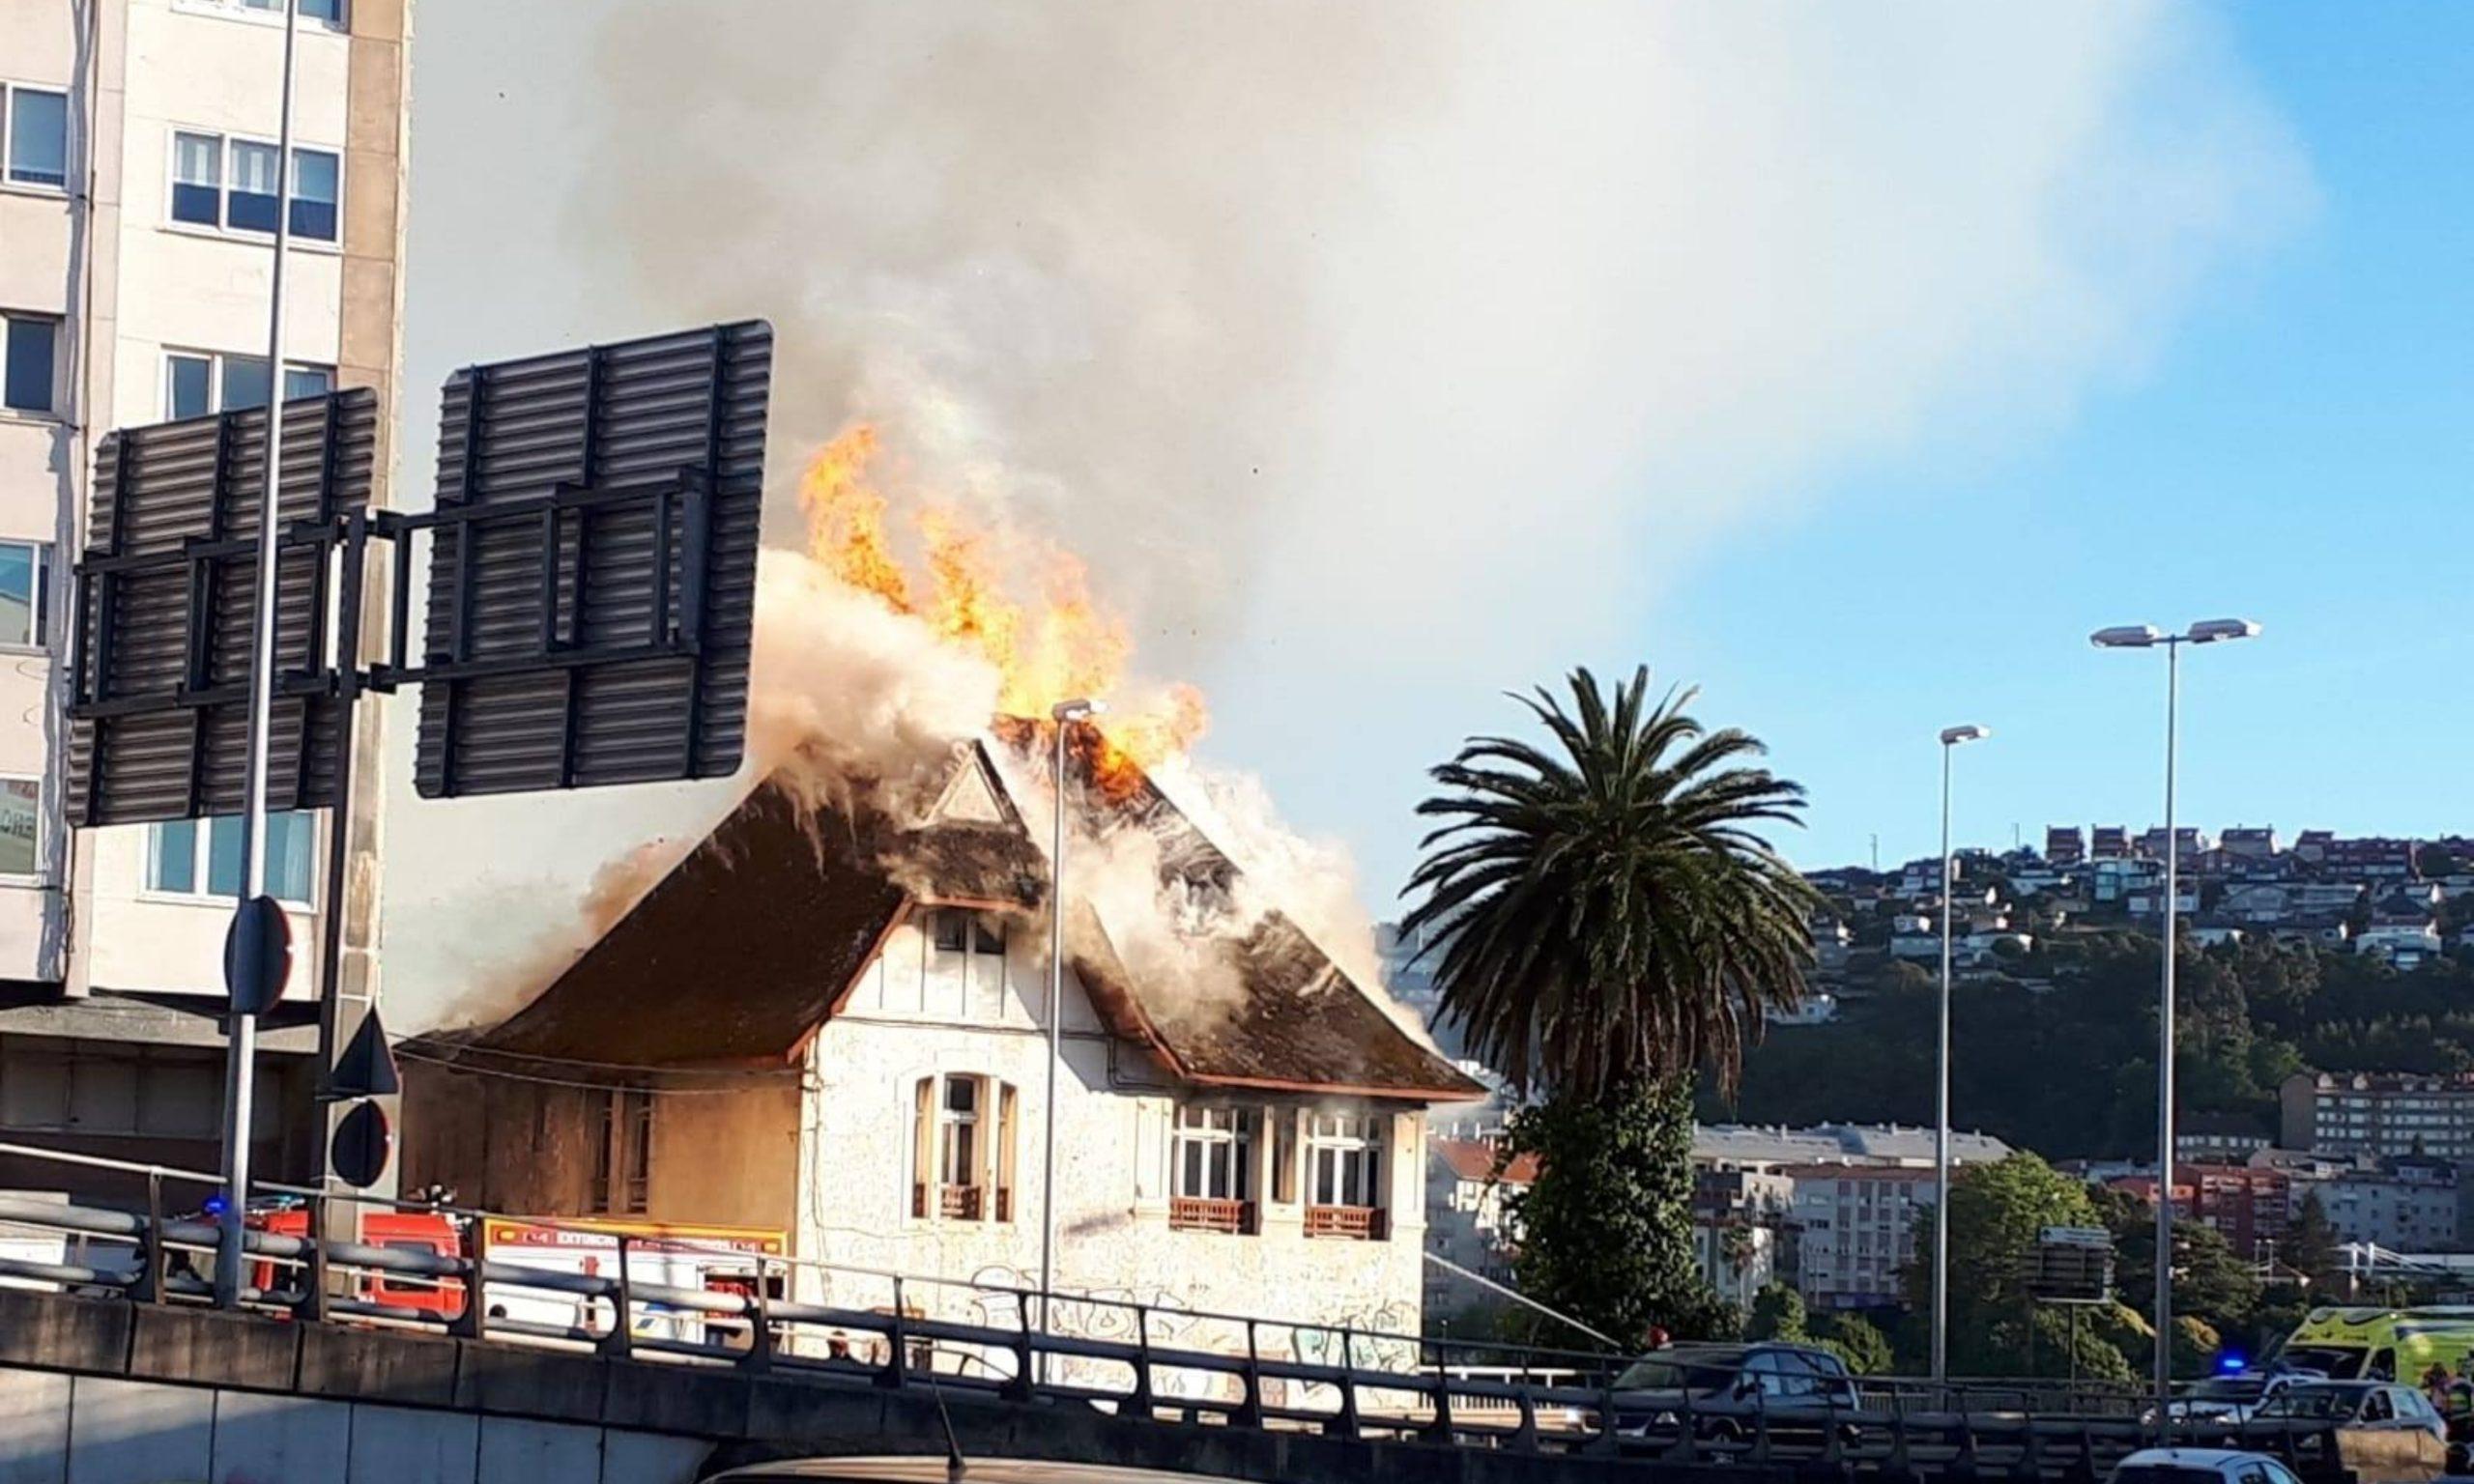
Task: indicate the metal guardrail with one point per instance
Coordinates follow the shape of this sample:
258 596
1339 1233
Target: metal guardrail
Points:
1135 1359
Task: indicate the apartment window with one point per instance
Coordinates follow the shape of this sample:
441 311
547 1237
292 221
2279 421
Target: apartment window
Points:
36 127
230 184
1343 1175
25 576
30 380
1211 1175
331 12
196 383
961 1162
622 1152
20 826
194 858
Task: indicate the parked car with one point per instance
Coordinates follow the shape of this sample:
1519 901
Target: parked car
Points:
1729 1390
2369 1405
2232 1398
2200 1466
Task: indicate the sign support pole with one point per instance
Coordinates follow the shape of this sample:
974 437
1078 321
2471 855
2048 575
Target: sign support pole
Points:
240 1083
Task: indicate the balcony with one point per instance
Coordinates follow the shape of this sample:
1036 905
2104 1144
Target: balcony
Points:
1205 1214
1353 1223
957 1203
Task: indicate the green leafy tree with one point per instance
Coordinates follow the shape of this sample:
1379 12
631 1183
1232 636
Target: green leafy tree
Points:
2211 1281
1610 919
1599 1227
1996 1211
1857 1341
1777 1313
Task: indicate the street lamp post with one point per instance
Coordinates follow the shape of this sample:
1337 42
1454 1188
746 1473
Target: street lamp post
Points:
1064 713
1952 739
241 1056
2149 637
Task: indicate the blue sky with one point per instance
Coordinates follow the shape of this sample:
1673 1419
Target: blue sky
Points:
2296 454
2292 450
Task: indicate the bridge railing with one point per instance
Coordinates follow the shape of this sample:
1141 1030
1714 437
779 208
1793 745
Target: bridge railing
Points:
885 1329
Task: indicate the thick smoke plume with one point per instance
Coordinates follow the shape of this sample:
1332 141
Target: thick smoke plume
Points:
1402 347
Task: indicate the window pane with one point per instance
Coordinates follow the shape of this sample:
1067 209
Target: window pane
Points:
987 936
307 382
313 194
197 179
948 928
244 382
331 12
223 856
292 853
171 863
30 349
18 593
38 137
962 1095
21 825
253 187
187 386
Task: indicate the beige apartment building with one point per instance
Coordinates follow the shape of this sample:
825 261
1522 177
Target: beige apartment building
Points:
137 201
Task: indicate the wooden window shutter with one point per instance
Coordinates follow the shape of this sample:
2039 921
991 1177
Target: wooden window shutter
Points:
923 1145
1004 1152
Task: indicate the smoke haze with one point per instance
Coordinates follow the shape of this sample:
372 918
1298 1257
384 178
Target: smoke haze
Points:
1378 353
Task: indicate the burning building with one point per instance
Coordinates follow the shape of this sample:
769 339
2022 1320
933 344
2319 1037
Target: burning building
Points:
829 1021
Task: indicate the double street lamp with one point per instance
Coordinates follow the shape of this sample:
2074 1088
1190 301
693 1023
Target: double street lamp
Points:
1952 739
2148 636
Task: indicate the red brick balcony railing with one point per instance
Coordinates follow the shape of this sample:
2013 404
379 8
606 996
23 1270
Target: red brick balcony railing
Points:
1202 1213
954 1203
1356 1223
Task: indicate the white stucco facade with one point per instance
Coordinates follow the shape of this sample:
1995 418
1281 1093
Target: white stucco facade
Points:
1116 1140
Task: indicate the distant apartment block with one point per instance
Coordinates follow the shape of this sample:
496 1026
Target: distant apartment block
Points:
2387 1115
2108 843
2065 844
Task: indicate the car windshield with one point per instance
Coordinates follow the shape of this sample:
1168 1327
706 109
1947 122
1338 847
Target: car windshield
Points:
2163 1473
2315 1402
1669 1373
2325 1359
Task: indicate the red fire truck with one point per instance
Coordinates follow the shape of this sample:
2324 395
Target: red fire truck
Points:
720 1258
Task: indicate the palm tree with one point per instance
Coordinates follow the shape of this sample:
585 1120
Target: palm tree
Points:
1606 908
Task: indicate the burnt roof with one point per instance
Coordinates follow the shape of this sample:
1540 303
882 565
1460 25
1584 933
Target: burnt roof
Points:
749 944
753 941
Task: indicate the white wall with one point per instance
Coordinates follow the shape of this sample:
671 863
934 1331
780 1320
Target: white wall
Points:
1113 1121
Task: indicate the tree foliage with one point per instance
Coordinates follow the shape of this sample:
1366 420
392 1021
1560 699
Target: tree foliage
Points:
1608 919
1607 906
2058 1054
1606 1229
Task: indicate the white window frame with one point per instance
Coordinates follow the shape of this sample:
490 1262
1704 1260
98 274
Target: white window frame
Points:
39 600
1224 1133
266 16
59 365
995 1121
36 875
9 87
221 227
977 968
201 895
215 363
1346 1137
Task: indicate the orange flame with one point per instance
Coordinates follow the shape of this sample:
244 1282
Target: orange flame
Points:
1060 644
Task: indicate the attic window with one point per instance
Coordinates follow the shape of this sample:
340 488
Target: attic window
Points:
955 930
